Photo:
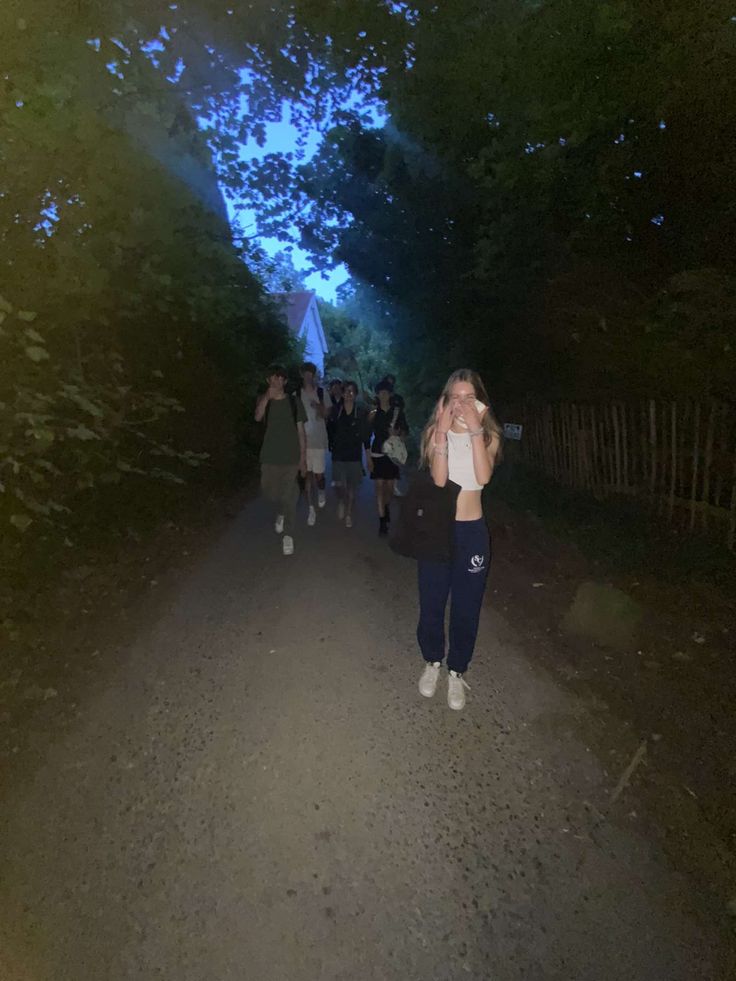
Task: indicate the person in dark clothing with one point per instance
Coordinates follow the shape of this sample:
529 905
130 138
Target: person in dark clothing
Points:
335 388
283 453
349 439
384 421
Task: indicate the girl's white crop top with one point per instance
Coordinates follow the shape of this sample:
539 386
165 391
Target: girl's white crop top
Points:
460 467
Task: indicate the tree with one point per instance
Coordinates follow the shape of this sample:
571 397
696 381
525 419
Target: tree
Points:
528 148
278 272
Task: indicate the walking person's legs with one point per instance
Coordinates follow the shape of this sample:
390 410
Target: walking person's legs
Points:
381 499
339 482
289 497
388 493
315 482
353 479
280 488
271 490
471 561
434 588
319 477
349 501
309 485
379 496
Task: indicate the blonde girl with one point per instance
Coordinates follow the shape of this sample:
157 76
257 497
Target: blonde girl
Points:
460 443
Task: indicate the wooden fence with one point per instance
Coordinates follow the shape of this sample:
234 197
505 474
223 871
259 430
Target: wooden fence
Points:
678 458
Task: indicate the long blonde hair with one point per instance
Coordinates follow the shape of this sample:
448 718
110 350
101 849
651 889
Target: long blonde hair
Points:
491 427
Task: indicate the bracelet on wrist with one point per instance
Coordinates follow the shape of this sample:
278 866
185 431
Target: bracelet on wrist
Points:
440 450
476 432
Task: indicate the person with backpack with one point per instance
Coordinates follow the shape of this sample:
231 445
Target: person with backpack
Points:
283 452
349 438
385 421
460 447
317 404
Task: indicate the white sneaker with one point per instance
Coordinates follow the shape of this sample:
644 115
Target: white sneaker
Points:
340 511
321 498
279 526
428 680
456 687
288 545
312 516
348 521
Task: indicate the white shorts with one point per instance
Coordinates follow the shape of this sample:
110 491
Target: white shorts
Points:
316 461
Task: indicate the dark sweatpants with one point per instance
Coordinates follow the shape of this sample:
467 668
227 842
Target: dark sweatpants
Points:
465 578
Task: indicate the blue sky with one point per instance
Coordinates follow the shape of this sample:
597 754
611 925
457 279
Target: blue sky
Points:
281 137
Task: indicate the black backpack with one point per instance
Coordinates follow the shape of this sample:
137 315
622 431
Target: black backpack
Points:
425 529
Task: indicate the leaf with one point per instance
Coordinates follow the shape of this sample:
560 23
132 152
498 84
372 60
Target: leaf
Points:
33 335
5 306
167 475
26 315
20 521
81 432
37 353
84 403
127 468
42 435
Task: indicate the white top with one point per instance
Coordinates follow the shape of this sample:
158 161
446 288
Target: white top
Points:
460 467
314 428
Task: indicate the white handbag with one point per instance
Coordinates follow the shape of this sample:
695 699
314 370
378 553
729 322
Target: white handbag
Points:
395 447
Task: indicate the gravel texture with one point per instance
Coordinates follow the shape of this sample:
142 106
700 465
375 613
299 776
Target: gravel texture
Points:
260 792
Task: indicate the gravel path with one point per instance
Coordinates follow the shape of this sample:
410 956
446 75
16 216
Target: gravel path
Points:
261 793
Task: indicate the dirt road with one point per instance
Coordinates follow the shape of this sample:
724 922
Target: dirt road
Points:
260 792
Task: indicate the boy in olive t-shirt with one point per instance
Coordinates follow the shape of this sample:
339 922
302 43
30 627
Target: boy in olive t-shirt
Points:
283 453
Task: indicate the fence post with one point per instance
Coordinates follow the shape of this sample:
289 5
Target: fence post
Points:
673 476
732 517
653 447
707 463
696 463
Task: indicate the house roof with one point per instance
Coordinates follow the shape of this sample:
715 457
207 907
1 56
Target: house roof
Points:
295 306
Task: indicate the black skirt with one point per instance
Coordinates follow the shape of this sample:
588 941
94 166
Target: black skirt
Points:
384 469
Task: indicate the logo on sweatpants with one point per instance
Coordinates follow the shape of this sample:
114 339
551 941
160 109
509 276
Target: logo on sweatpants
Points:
477 563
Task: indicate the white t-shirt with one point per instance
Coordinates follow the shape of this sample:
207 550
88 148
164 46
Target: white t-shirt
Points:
315 428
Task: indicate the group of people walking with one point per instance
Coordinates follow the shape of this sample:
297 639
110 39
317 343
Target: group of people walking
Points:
303 425
459 448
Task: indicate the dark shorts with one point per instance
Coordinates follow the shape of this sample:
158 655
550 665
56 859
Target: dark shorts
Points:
384 469
349 472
